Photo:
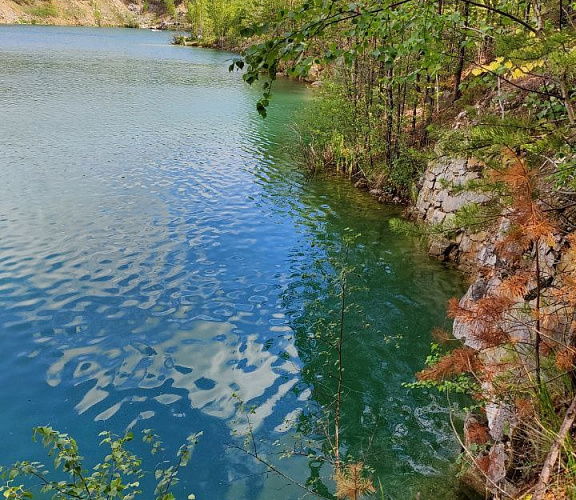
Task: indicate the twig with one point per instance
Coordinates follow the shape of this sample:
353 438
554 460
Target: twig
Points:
279 472
555 452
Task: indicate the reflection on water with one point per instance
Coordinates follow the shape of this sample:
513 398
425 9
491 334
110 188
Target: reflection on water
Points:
157 253
208 362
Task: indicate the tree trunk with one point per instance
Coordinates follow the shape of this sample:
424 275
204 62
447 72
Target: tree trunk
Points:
538 13
461 56
428 110
567 102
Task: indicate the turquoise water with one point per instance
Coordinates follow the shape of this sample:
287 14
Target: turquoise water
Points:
160 260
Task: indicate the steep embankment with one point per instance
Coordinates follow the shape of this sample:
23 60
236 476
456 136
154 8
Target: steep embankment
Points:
516 322
136 13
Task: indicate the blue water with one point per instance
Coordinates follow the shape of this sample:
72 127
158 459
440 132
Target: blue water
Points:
158 250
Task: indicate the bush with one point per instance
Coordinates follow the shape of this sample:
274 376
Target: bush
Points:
47 10
335 134
117 476
169 7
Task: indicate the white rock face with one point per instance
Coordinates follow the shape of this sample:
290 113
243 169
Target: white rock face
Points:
441 196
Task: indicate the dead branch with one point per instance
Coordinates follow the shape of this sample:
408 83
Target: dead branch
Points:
555 452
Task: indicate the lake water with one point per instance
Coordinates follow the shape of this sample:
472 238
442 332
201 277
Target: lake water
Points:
161 266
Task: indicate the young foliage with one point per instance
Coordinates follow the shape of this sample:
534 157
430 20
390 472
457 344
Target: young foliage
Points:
117 476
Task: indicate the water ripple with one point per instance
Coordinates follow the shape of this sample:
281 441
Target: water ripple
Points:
157 258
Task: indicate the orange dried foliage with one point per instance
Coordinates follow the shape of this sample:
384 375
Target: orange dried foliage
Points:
567 292
524 408
483 463
477 433
491 307
513 246
515 173
478 396
461 360
565 359
549 322
442 336
455 311
545 348
558 492
491 336
484 315
515 286
531 222
571 253
538 228
351 482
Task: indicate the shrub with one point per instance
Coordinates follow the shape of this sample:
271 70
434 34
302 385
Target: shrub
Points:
116 476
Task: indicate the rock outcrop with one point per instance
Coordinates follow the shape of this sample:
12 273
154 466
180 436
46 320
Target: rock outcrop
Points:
130 13
491 258
441 196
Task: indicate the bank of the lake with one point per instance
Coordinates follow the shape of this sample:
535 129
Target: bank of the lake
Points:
110 13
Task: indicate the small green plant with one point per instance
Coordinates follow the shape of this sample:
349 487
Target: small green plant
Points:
169 7
97 14
46 10
451 378
117 476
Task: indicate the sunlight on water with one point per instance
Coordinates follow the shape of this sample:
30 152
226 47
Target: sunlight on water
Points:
157 269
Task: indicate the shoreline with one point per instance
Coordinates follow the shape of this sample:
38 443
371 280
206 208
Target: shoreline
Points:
77 13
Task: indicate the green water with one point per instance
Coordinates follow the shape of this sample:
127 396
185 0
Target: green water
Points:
160 259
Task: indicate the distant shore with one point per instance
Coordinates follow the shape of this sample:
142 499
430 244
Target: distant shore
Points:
104 13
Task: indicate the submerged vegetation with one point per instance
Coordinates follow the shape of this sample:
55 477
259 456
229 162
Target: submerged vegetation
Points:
336 325
408 81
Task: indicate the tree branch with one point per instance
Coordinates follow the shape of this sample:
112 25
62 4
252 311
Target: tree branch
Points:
555 452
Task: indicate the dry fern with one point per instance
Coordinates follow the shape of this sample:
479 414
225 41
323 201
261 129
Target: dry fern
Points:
352 483
462 360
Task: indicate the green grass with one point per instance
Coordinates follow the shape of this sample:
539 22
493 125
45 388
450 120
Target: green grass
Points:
46 10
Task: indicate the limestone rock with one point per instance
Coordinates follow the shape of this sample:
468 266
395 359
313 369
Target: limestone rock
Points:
436 217
438 203
455 203
439 247
497 465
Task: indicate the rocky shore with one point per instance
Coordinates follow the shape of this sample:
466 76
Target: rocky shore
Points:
111 13
484 255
